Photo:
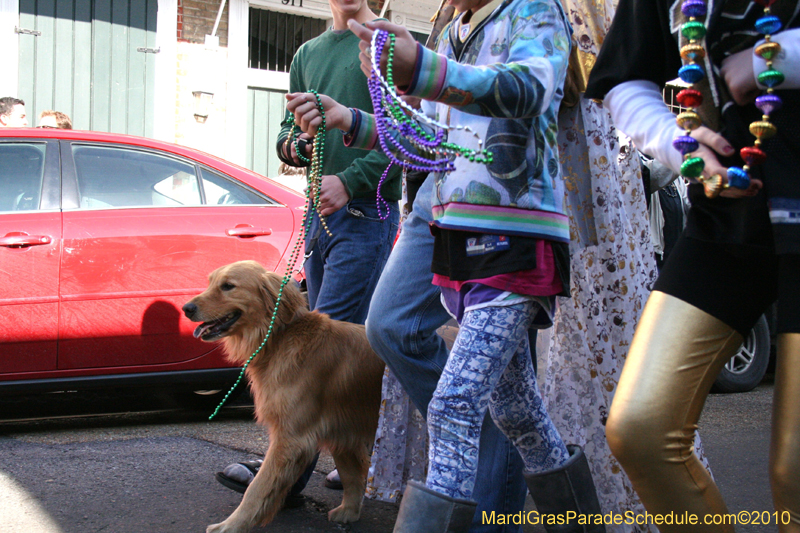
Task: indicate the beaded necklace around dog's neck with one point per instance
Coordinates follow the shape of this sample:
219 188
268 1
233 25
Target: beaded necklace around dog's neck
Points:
693 73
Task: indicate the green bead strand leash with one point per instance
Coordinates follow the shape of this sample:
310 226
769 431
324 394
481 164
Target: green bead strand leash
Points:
314 182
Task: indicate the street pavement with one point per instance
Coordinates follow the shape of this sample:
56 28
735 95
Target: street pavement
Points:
153 472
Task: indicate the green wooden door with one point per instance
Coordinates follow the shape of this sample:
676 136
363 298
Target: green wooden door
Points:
265 108
91 59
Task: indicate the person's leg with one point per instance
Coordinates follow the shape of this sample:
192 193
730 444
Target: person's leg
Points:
784 456
404 315
487 340
679 347
314 266
516 406
785 444
676 354
557 475
406 310
532 335
344 269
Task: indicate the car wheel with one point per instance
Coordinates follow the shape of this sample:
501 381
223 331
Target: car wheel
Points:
745 370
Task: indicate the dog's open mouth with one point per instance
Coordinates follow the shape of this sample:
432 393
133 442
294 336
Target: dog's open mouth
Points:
216 328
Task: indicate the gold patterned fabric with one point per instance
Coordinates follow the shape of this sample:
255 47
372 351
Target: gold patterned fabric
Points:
612 268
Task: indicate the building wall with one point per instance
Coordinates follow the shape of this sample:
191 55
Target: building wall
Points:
197 68
201 68
196 20
224 72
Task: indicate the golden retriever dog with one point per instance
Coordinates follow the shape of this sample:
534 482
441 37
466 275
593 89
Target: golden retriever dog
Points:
316 384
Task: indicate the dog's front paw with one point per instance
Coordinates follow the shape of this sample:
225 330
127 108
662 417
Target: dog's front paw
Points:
344 515
224 527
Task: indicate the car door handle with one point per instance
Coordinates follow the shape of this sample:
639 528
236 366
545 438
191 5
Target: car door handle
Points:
248 231
25 240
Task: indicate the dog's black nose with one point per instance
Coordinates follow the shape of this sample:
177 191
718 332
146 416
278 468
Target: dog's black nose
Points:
189 310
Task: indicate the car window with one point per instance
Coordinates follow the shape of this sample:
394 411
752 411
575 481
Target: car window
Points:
124 177
21 171
221 190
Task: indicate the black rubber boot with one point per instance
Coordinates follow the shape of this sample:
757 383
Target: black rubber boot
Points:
426 511
567 491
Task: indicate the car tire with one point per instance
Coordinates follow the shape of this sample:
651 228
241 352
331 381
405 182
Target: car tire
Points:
745 370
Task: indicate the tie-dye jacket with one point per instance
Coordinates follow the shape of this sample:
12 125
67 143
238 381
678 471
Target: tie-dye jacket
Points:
507 86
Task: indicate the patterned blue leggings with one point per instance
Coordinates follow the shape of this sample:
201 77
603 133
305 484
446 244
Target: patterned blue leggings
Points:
489 367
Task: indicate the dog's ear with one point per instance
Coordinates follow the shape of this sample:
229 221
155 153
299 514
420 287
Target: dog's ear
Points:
292 302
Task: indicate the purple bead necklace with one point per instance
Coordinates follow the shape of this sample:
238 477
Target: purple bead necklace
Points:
433 153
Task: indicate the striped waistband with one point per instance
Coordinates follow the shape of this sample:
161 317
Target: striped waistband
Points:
502 220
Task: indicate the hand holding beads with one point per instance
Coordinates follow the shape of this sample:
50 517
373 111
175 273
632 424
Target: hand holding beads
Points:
308 116
405 50
737 71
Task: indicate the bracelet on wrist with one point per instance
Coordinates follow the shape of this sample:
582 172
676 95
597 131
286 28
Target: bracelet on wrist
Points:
353 118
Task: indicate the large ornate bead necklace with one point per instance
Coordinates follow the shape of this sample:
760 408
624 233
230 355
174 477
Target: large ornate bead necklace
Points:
694 30
392 113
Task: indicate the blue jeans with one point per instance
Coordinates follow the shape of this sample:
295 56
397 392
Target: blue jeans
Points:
344 269
404 315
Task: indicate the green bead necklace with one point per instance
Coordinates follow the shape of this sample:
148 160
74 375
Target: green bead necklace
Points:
314 181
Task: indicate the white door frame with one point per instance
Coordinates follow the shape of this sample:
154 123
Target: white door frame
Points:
166 67
240 76
236 124
9 43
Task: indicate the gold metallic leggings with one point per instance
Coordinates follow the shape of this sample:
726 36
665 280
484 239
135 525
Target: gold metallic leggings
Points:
676 354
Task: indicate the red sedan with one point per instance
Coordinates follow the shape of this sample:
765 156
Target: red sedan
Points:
103 238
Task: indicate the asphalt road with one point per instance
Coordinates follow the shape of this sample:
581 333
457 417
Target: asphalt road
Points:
153 471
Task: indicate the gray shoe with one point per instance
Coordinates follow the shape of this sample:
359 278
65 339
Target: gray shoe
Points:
237 476
564 489
334 481
426 511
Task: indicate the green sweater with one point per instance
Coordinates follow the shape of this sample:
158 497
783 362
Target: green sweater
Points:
329 64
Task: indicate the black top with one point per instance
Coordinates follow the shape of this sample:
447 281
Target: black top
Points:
672 210
452 259
643 44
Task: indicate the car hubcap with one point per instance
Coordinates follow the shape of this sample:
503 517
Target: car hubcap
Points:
739 363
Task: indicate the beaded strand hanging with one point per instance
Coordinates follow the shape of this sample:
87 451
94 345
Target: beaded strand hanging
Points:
392 113
314 181
314 176
692 73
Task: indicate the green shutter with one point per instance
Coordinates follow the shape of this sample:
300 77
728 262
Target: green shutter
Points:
86 62
265 110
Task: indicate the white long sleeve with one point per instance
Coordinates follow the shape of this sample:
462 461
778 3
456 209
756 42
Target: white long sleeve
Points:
638 110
